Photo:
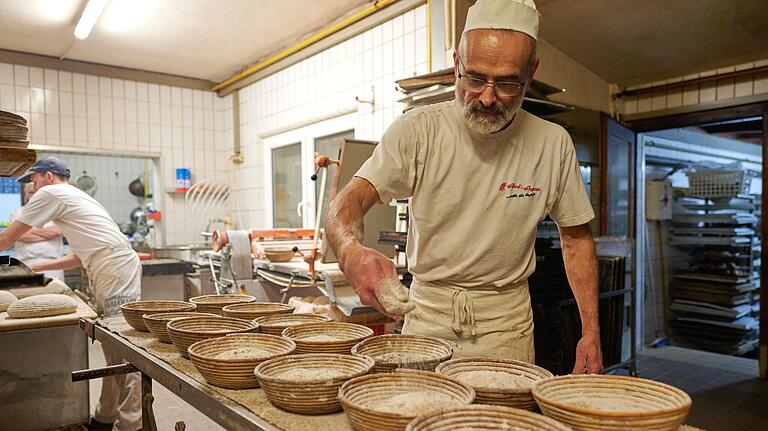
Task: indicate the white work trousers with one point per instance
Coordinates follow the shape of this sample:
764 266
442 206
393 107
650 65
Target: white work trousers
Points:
115 275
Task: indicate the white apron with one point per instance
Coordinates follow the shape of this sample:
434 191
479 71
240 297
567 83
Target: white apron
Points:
115 277
486 321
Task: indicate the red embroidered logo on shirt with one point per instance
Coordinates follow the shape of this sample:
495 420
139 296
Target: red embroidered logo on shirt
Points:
514 190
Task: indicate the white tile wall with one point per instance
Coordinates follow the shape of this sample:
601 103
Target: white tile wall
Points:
322 85
79 111
699 93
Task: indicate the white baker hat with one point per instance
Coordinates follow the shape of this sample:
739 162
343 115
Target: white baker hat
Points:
517 15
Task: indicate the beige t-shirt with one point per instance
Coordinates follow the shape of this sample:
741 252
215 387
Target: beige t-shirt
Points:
476 199
82 219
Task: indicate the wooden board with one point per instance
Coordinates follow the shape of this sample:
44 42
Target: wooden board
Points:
380 218
83 310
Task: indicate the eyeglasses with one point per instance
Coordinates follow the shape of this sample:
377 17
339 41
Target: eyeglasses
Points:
476 84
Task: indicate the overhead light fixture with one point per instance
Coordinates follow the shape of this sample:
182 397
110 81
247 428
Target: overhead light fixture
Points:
88 18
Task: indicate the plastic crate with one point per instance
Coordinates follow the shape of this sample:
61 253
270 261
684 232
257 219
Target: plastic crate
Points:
716 183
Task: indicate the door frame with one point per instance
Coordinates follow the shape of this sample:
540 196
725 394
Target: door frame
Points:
305 136
713 115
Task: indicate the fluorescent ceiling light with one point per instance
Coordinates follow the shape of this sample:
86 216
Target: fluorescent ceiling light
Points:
89 17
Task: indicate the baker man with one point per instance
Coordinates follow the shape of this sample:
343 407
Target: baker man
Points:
39 246
113 268
480 173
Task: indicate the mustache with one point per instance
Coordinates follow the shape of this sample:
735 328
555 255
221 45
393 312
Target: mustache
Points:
477 106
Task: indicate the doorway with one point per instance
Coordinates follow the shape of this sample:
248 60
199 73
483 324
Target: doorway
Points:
703 259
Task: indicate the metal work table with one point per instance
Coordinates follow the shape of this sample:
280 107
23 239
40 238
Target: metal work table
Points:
226 413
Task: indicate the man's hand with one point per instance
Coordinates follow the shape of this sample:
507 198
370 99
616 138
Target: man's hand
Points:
589 356
371 273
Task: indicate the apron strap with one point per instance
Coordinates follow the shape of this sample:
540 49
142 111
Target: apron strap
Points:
463 311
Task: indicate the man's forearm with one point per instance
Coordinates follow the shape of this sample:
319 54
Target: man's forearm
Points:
344 221
65 262
12 233
44 234
581 268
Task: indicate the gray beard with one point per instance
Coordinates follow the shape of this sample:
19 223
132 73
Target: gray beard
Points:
487 124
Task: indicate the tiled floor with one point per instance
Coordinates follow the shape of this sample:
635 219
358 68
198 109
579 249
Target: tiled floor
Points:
726 391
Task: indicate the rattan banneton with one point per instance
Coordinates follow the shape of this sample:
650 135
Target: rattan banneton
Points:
346 336
312 394
486 418
236 373
362 397
252 310
605 403
520 398
275 324
214 303
133 311
394 351
185 332
157 322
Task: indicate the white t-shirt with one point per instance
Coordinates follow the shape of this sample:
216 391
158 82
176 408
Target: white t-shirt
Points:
476 199
81 218
48 249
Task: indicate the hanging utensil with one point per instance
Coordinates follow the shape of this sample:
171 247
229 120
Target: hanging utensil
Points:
136 187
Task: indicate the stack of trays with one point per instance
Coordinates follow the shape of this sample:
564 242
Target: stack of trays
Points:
13 145
13 130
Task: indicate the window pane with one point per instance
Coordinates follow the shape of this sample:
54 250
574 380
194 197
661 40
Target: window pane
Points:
329 146
286 186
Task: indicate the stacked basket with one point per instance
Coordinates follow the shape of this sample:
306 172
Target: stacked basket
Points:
134 311
602 402
483 417
309 383
254 310
389 401
214 303
394 351
519 376
275 324
185 332
327 337
229 361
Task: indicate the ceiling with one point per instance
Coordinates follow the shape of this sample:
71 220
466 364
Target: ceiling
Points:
631 41
622 41
206 39
746 130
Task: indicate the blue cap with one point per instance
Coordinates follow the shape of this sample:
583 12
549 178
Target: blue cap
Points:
46 164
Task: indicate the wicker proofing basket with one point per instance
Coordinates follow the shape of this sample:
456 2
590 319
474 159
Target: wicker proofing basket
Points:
252 310
214 303
275 324
487 418
520 398
346 336
133 311
185 332
647 405
236 373
369 401
157 322
309 396
416 352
